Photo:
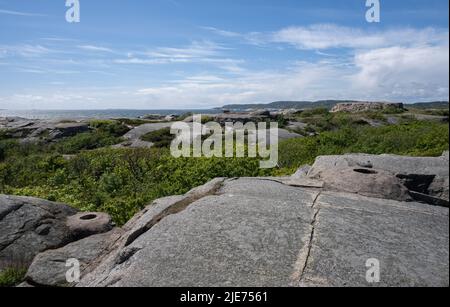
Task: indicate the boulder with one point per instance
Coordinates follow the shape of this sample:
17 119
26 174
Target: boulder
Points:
29 226
356 107
32 131
423 175
83 225
62 130
365 181
49 268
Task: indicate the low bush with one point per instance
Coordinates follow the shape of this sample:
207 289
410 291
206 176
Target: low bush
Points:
413 138
160 138
11 277
123 181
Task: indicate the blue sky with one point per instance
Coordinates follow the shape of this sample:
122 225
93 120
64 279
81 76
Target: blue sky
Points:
198 54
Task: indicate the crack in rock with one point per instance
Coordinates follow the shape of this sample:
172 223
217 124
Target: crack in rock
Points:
7 212
305 251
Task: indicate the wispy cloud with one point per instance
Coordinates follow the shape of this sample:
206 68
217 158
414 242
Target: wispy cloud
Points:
205 52
328 36
395 73
17 13
195 50
95 48
222 32
24 50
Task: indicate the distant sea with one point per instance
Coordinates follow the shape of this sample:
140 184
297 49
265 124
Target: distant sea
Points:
101 114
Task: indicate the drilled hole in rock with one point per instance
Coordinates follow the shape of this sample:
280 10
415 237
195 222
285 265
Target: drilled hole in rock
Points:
416 182
365 171
88 217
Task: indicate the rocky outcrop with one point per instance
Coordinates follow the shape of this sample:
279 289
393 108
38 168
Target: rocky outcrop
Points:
319 227
35 130
29 226
133 137
49 268
425 178
355 107
260 232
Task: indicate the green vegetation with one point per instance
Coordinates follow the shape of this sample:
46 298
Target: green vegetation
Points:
12 277
160 138
134 122
314 112
123 181
321 120
434 112
393 110
413 138
118 181
281 120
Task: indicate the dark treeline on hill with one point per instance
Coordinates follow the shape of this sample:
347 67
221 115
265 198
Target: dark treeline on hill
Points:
329 104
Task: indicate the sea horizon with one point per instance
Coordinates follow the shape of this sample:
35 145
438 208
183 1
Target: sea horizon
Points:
98 113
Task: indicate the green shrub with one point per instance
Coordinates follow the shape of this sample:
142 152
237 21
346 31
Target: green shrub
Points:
160 138
393 110
123 181
134 122
86 141
412 138
314 112
11 277
110 127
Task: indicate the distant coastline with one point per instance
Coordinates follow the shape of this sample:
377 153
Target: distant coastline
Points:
136 113
98 114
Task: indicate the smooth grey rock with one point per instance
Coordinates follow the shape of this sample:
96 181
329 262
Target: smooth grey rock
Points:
139 131
32 131
302 172
258 232
248 233
133 137
49 268
426 175
83 225
29 226
364 181
410 241
391 163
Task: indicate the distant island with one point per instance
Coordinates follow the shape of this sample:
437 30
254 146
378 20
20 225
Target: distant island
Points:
329 104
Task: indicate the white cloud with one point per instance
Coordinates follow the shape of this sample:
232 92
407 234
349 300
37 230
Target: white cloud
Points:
327 36
153 61
222 32
95 48
404 72
205 52
396 74
397 64
25 50
195 50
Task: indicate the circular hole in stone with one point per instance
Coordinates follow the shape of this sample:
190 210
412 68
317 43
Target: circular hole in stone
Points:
365 171
88 217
